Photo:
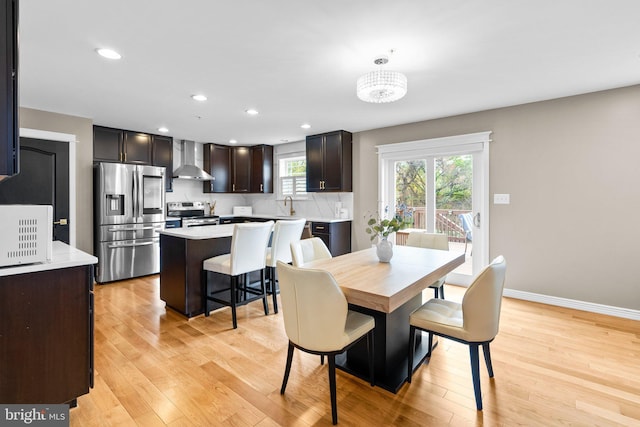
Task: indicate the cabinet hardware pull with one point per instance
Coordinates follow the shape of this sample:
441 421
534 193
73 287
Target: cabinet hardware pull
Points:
261 188
319 228
233 187
63 221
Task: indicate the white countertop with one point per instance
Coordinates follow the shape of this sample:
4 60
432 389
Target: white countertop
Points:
200 233
277 217
62 256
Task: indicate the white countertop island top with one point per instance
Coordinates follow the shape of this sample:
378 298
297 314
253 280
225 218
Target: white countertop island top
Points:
62 256
200 233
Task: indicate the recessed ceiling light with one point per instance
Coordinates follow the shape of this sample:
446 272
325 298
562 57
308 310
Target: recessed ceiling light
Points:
199 97
108 53
232 141
251 112
163 129
305 126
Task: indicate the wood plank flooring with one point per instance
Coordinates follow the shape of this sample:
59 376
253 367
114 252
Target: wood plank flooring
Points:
553 366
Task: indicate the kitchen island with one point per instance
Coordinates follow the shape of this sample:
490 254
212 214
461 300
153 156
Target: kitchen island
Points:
182 251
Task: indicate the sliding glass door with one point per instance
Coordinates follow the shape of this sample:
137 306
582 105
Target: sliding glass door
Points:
440 188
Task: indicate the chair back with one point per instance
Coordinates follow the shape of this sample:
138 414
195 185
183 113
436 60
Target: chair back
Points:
248 246
482 302
467 221
428 240
307 250
314 308
284 232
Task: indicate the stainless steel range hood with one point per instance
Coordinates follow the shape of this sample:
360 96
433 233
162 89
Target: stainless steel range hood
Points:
188 168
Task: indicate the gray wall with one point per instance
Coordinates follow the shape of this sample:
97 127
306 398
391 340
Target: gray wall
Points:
572 168
82 128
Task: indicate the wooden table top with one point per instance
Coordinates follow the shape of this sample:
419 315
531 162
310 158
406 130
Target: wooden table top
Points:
386 286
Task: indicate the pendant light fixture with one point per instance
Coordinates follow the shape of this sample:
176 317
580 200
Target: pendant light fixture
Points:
380 86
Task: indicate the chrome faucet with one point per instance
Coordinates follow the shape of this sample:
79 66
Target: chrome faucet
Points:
292 212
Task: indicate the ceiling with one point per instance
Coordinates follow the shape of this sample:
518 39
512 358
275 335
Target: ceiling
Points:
297 61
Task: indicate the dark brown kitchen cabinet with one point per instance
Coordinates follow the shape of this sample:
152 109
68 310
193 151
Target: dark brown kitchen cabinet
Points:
162 155
46 336
116 145
336 235
262 169
329 164
9 128
217 162
240 170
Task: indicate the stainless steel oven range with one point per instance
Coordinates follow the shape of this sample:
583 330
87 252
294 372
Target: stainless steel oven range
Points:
193 214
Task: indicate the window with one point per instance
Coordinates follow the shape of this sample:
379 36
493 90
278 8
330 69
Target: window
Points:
292 172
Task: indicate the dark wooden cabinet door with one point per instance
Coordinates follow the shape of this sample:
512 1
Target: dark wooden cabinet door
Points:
107 144
9 128
241 169
137 148
163 156
315 162
217 162
262 169
46 330
332 162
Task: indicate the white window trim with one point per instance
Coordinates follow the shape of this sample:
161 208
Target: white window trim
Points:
284 156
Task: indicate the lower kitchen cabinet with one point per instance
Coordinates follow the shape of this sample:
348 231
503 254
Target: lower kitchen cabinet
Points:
46 335
336 235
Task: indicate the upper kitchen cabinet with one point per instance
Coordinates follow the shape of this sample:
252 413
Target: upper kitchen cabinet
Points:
115 145
240 170
329 162
217 162
262 169
162 155
9 128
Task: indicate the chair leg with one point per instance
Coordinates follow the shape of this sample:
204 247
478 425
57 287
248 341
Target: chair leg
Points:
487 358
441 291
287 369
263 287
435 293
412 349
274 290
430 344
475 374
234 285
205 290
370 349
332 387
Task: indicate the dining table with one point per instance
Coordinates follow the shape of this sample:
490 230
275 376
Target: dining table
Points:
388 291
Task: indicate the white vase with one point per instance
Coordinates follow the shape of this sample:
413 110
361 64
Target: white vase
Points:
384 250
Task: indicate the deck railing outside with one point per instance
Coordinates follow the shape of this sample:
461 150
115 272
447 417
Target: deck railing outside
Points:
447 222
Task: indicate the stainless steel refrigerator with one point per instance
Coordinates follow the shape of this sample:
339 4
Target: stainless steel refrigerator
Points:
129 212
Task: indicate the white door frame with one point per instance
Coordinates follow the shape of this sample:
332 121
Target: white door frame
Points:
71 139
476 144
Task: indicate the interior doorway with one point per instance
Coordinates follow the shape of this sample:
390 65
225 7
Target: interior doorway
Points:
43 180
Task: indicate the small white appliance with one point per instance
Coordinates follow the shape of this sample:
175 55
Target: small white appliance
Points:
27 234
242 210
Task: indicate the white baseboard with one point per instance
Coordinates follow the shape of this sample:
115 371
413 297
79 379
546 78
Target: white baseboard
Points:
626 313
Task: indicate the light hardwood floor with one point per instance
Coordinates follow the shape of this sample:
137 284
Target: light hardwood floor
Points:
553 366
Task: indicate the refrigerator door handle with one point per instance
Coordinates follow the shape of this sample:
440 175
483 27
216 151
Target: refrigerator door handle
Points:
134 228
129 245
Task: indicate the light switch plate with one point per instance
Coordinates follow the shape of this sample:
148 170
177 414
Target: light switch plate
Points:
501 199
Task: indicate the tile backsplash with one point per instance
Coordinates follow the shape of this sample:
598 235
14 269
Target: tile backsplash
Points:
316 205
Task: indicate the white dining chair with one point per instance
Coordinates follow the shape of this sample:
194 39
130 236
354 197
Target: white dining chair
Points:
284 233
317 320
474 322
248 245
307 250
432 241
